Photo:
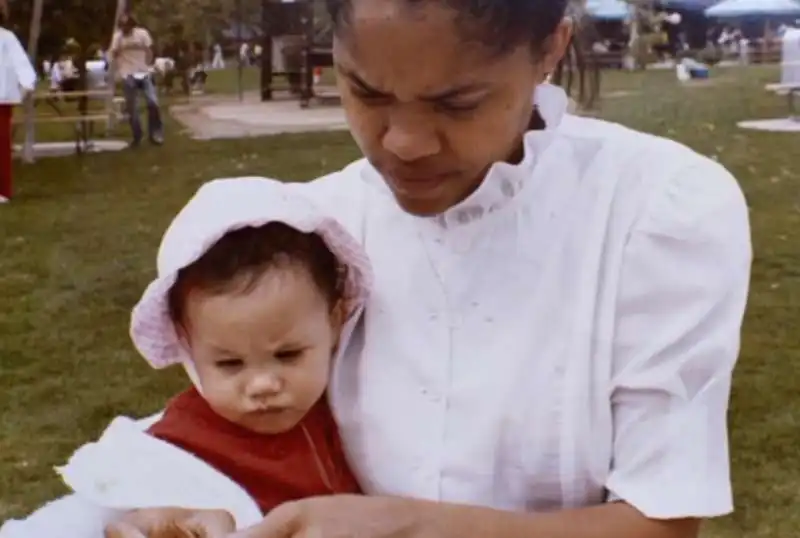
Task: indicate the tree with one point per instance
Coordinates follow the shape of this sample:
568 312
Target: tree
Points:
86 21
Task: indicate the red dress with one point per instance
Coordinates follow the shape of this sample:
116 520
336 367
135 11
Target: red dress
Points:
273 469
5 150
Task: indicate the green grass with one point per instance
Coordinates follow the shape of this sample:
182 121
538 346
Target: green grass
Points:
78 246
220 82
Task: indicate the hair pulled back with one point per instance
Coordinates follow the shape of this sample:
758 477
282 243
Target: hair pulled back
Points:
501 25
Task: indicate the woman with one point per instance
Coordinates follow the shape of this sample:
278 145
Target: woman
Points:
17 78
549 348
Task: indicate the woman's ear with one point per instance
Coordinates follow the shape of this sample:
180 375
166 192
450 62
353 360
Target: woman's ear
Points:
558 43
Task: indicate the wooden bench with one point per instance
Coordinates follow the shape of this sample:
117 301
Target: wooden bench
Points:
64 94
84 127
84 122
790 91
65 119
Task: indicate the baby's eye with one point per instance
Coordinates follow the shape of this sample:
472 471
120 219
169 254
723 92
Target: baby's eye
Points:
230 364
289 355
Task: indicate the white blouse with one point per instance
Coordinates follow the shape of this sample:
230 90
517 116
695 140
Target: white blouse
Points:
16 72
563 337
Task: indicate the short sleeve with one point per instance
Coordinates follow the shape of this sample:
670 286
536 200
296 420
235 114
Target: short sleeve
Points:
147 40
681 300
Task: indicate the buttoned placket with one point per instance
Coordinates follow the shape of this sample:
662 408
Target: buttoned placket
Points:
446 240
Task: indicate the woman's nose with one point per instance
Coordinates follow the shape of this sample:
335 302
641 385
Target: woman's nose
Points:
410 139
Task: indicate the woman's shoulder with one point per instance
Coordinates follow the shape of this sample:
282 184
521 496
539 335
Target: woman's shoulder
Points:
648 173
342 194
631 145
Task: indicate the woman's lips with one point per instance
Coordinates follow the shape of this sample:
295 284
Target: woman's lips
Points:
418 184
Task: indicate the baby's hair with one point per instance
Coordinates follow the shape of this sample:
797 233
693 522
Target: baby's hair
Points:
241 257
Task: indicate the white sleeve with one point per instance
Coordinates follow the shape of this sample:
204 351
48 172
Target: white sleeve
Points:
26 74
682 295
70 516
147 40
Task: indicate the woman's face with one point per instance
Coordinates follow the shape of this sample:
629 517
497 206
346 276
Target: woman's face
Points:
429 109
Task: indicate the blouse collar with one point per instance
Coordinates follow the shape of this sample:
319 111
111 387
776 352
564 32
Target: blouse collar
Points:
503 180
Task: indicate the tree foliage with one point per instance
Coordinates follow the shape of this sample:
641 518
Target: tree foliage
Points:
89 22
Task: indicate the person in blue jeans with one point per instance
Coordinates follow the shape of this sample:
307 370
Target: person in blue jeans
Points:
132 53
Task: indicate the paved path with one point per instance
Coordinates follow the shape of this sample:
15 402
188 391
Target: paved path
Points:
209 118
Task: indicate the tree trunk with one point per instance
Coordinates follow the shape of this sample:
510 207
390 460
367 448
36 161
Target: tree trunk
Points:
30 102
112 71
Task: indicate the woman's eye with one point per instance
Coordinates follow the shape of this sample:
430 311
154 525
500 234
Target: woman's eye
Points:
370 98
289 355
457 108
230 364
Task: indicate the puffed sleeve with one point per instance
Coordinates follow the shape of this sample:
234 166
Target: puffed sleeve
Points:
682 296
26 74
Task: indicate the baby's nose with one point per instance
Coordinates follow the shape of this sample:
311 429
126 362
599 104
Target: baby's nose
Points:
264 384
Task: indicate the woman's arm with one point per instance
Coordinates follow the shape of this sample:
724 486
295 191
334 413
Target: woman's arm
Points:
394 517
613 520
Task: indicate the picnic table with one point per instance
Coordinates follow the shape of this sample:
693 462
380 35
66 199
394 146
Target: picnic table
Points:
82 118
790 90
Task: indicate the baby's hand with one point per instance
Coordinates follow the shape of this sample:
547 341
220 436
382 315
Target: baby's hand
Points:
172 523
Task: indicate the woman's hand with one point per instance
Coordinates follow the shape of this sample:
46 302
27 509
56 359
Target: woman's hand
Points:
339 516
172 523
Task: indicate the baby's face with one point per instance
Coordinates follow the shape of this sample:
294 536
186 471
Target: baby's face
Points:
263 354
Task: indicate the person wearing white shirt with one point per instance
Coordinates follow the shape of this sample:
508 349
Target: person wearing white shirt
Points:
17 79
218 60
132 53
557 303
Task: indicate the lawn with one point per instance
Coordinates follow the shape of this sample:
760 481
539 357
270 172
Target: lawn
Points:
79 245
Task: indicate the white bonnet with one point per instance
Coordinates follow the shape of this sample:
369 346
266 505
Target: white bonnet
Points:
217 208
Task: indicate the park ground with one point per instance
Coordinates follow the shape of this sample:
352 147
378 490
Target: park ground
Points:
78 247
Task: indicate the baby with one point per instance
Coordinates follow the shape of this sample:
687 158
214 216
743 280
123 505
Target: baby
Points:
255 291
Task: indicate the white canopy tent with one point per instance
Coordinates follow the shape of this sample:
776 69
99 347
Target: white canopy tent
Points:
609 10
790 58
744 8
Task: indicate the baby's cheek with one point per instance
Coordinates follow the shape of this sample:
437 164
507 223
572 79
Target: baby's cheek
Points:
311 379
223 396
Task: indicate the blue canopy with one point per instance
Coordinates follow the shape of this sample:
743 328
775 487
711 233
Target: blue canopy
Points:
687 5
609 10
744 8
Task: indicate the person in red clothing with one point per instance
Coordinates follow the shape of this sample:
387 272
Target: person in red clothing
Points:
17 80
256 318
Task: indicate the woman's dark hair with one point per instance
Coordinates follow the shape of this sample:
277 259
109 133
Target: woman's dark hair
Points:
503 25
241 257
499 24
130 19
